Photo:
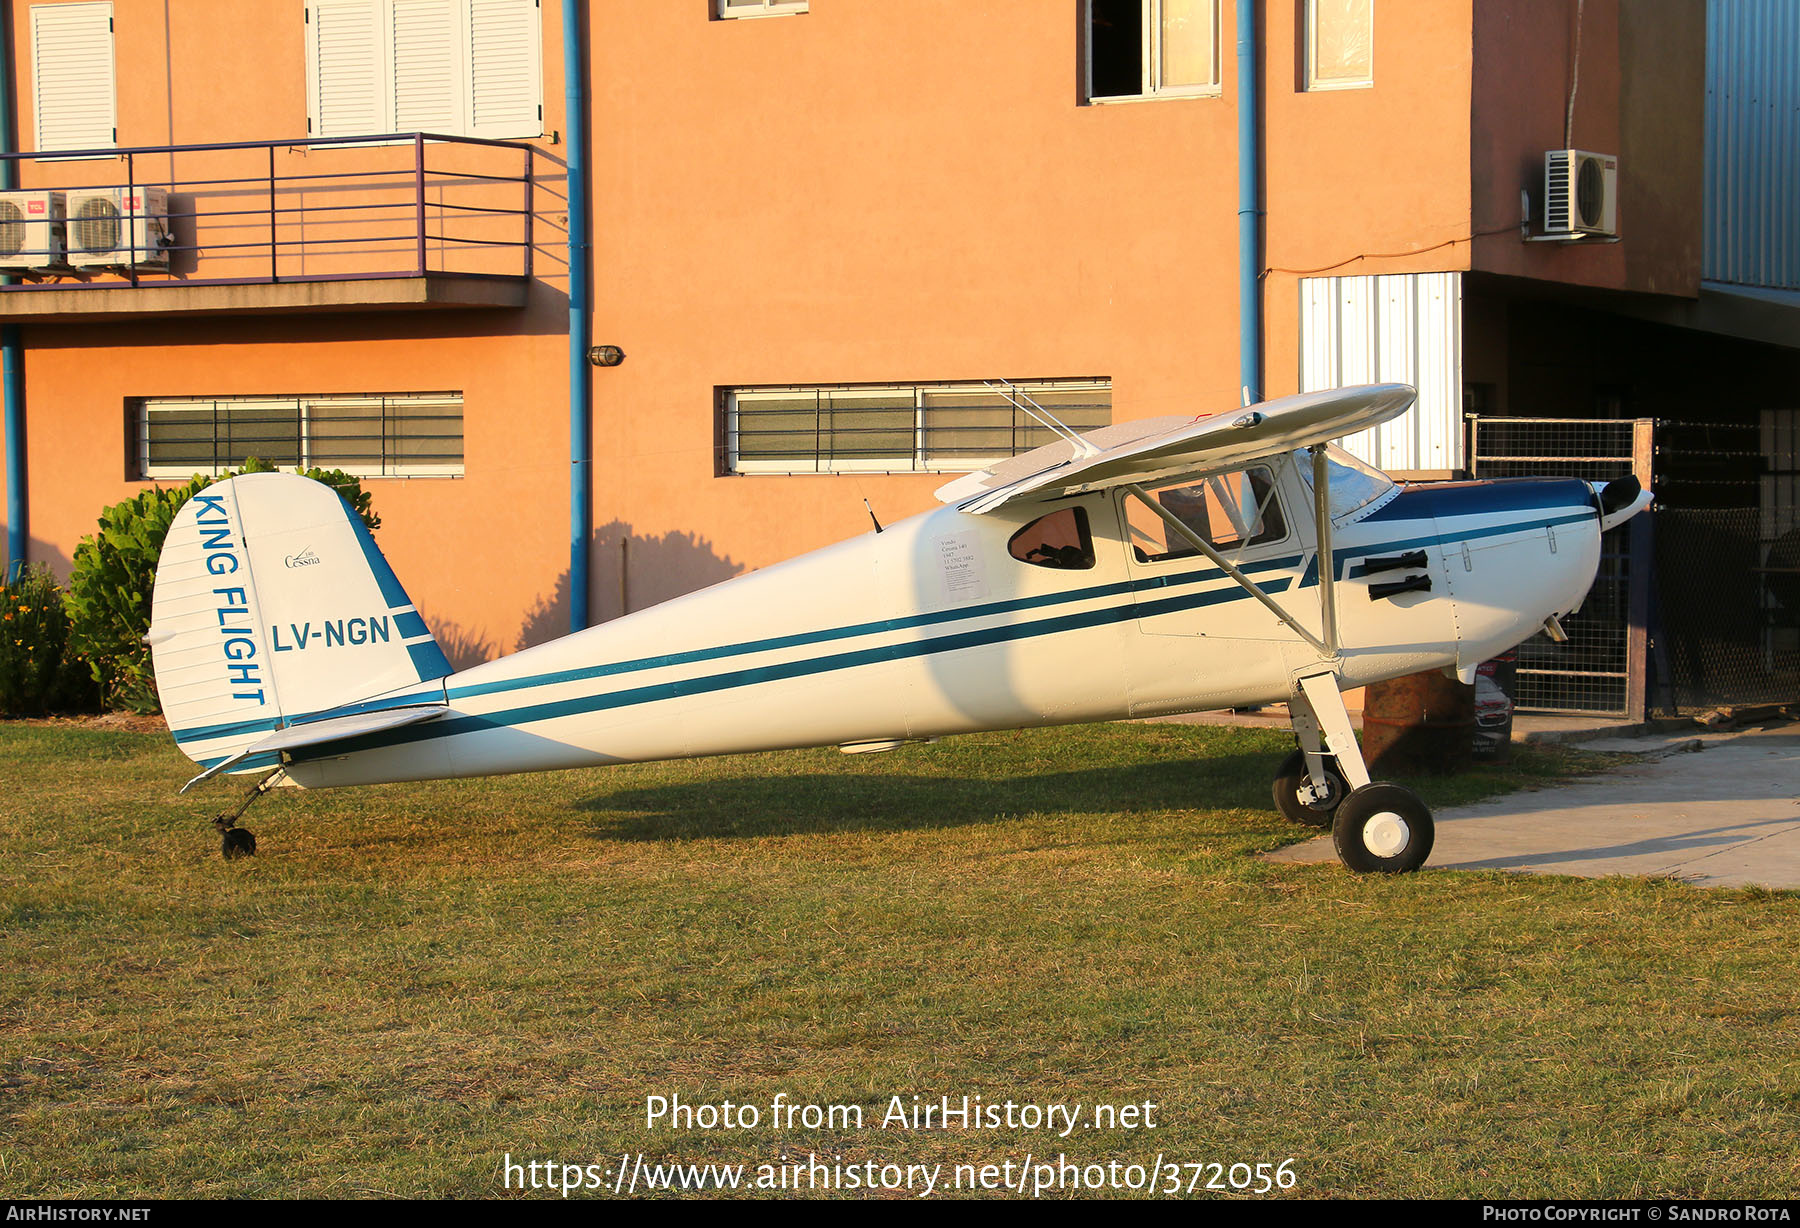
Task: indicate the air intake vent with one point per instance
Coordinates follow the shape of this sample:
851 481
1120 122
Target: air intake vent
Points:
97 226
12 229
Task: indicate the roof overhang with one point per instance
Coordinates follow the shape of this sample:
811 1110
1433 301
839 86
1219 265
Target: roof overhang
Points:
1749 313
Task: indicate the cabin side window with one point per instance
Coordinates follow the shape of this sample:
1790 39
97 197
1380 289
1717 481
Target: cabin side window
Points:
1229 511
1060 541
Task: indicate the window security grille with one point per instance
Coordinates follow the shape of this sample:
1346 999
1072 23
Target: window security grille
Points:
920 428
401 435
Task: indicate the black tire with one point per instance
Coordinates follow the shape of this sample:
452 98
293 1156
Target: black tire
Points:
1383 828
237 842
1288 781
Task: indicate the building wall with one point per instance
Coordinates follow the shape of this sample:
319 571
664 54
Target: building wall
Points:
1364 182
863 193
1638 90
477 553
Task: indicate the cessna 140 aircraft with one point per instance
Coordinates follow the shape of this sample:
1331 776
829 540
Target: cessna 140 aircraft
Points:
1161 566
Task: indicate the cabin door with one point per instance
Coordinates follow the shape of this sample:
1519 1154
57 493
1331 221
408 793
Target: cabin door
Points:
1241 513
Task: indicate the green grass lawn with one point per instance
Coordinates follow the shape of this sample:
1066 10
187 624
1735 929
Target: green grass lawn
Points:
411 982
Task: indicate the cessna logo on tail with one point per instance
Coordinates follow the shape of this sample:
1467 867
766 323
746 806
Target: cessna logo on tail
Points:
306 558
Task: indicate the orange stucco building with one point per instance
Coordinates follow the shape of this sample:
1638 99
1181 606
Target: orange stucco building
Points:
799 212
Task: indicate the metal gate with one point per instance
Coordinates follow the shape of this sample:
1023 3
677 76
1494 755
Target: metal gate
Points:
1601 670
1728 562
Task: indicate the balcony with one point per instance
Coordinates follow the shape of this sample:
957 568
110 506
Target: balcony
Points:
383 223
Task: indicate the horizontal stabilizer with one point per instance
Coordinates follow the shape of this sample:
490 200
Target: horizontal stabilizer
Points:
1158 448
331 729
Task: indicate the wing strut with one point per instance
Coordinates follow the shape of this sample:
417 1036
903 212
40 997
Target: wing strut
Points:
1321 484
1244 582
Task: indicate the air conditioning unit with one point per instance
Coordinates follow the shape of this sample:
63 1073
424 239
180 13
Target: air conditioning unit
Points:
1581 193
32 233
117 228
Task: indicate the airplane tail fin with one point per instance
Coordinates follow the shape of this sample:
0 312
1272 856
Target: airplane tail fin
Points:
273 604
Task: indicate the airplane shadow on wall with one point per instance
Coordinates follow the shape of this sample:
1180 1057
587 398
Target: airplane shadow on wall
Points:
849 800
629 572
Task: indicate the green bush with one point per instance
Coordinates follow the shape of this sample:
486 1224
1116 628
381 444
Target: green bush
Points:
38 674
115 574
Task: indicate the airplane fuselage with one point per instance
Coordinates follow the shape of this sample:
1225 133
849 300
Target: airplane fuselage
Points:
932 627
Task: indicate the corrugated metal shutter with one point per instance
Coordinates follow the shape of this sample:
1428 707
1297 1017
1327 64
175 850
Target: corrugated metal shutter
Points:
72 76
1403 328
1753 143
428 84
505 74
348 73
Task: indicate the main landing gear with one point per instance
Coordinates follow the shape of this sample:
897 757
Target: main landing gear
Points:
1376 827
235 841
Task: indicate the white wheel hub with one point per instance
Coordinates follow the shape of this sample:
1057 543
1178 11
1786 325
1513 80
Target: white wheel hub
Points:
1386 834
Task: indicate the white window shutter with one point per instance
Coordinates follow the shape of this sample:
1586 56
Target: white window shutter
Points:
428 75
347 54
505 73
72 76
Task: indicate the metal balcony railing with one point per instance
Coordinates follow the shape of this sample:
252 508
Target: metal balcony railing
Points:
262 212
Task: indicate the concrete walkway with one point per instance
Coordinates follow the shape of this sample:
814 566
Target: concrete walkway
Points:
1726 816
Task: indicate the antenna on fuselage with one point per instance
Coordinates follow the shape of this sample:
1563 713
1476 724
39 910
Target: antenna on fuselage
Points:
1023 402
872 518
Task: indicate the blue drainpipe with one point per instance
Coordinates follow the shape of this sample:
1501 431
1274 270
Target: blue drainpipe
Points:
1250 322
12 348
581 397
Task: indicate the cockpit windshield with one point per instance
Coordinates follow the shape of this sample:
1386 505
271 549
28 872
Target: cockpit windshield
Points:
1354 484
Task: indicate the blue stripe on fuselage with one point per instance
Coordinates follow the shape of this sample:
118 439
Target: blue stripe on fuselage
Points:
650 693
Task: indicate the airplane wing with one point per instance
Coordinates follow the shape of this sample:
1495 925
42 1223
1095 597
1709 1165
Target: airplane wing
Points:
331 729
1152 449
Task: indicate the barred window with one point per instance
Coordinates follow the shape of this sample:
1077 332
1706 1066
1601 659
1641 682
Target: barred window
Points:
375 435
911 428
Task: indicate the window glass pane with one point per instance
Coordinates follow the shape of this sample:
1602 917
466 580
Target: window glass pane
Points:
1187 43
344 435
777 426
972 425
1059 540
267 430
1079 409
1116 48
425 436
180 438
863 426
1354 484
1229 511
1343 36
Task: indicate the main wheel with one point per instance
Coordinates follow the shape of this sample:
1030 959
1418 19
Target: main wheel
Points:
1383 828
1292 778
237 842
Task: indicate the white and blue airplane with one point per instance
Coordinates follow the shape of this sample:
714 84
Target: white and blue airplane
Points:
1153 567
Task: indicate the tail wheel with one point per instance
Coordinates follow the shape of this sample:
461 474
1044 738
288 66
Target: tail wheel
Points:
1383 828
237 842
1298 803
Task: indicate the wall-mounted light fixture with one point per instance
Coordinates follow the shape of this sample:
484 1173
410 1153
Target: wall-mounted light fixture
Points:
606 355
